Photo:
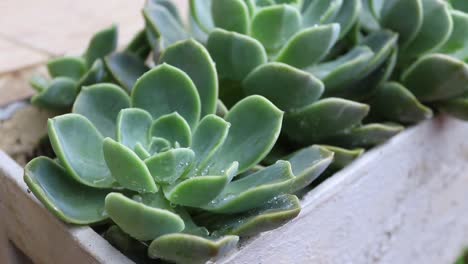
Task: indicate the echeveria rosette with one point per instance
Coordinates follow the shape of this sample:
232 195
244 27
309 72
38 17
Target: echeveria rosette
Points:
142 160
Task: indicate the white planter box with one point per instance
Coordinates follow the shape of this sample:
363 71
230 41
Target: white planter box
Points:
403 202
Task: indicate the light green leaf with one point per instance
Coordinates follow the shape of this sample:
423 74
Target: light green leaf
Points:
71 67
59 95
133 126
164 90
461 5
125 68
39 83
102 44
342 157
173 128
457 44
101 104
231 15
309 46
235 55
141 151
127 168
139 220
367 135
78 146
164 25
192 58
285 86
274 25
158 145
67 199
347 16
94 75
201 12
320 11
166 167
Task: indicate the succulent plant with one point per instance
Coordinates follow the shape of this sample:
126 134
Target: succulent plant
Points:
170 174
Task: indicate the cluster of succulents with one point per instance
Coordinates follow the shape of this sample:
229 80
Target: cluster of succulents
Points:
203 128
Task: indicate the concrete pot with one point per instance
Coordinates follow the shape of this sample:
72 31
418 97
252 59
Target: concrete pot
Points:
403 202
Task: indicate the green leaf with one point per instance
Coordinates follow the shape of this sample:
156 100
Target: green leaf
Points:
394 102
323 119
201 12
320 11
342 157
101 104
102 44
391 18
127 168
273 214
436 77
309 46
231 15
221 109
139 220
39 83
235 55
158 145
164 24
139 45
337 74
133 126
168 166
457 107
347 16
255 127
192 58
71 67
173 128
125 68
60 95
94 75
285 86
435 30
457 44
307 164
461 5
208 137
169 5
164 90
366 136
67 199
141 151
366 18
274 25
78 146
185 248
253 190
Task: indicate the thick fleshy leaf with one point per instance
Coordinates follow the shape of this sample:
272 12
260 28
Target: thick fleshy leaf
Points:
164 24
273 214
323 119
39 83
382 43
192 58
347 16
274 25
342 157
366 17
185 248
285 86
201 12
101 104
67 199
366 136
141 221
166 167
457 107
221 109
207 138
337 74
94 75
307 164
461 5
71 67
231 15
125 68
457 44
309 46
102 44
320 11
133 126
164 90
169 5
158 145
127 168
60 94
255 127
391 18
141 151
436 29
394 102
436 77
253 190
78 146
173 128
235 55
139 45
